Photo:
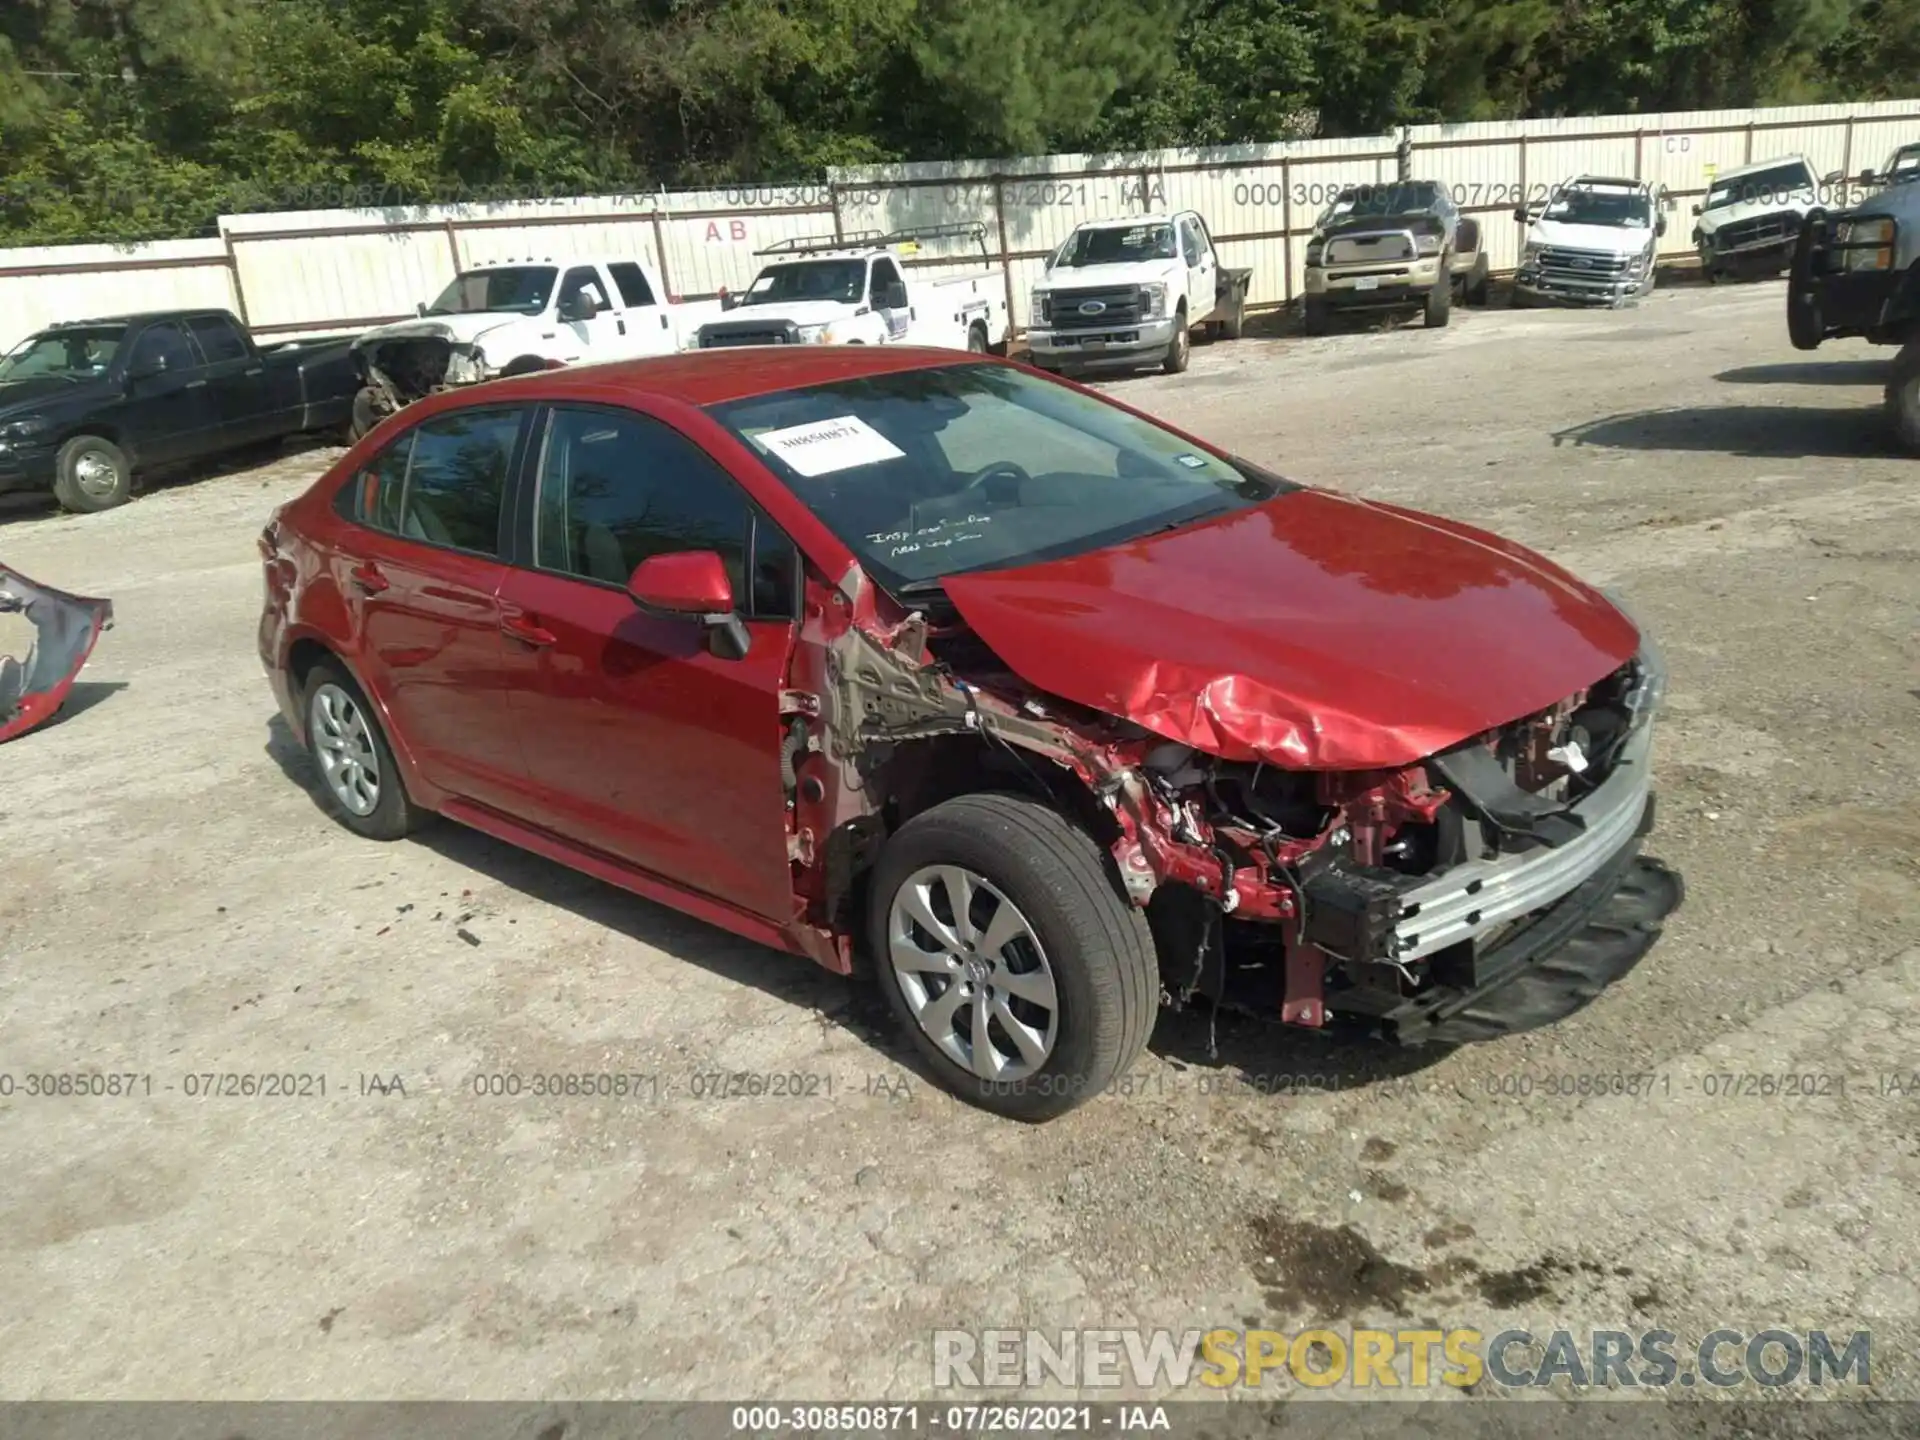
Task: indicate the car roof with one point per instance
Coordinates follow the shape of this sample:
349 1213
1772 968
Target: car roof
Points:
712 377
558 259
139 317
1610 181
1775 163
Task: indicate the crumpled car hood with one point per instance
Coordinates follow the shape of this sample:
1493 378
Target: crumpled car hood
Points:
455 329
1314 631
65 628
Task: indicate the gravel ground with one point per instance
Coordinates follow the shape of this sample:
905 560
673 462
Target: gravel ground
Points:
177 905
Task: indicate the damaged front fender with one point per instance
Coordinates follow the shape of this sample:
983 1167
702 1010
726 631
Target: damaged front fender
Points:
65 627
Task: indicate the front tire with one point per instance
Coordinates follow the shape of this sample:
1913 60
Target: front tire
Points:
1180 348
1903 397
1439 308
359 781
366 413
91 474
1020 971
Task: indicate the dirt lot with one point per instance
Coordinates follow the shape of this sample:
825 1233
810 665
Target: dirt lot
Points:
176 905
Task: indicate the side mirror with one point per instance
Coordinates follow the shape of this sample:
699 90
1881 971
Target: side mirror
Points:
1660 225
1520 213
578 307
420 308
893 296
148 368
1866 177
1696 209
694 584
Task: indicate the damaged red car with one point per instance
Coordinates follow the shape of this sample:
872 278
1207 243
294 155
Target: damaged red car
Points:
931 664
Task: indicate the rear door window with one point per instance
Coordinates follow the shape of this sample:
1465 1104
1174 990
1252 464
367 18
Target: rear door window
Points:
632 280
220 339
443 483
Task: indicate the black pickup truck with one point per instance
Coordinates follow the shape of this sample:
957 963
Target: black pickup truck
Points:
87 406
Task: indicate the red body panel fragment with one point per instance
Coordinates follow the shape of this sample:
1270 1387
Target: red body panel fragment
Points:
65 627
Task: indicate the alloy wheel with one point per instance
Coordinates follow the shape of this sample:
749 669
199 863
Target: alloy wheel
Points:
973 972
343 745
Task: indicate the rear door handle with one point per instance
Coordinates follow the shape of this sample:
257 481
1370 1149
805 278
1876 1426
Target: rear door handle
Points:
369 578
525 631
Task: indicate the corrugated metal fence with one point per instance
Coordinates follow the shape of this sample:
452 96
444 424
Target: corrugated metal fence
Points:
348 269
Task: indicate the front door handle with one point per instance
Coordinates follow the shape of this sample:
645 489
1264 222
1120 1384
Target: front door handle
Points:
525 631
369 578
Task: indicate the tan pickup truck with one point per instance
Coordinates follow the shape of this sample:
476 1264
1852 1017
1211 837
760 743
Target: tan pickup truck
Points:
1399 245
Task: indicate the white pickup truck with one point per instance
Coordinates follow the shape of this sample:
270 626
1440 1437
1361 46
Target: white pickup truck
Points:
1751 218
513 317
853 290
1594 242
1131 291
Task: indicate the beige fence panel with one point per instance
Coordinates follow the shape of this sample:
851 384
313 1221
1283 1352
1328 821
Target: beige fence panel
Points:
331 270
40 287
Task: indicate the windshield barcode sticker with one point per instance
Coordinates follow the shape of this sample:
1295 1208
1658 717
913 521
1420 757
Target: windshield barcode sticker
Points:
825 446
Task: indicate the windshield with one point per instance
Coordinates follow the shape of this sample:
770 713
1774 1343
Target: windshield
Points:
844 281
522 289
1601 207
75 354
1778 185
1117 245
929 473
1404 198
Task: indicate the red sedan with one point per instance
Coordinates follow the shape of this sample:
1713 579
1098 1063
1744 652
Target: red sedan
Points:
931 664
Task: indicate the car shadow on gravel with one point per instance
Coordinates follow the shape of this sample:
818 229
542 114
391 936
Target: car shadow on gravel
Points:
853 1005
1761 432
1235 1052
1809 372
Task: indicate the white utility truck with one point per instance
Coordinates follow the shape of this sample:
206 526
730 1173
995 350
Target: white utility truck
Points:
1131 291
854 290
514 317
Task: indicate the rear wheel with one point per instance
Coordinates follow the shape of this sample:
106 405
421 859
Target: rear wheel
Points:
358 777
977 339
91 474
1005 946
1236 322
1903 397
1478 281
1316 316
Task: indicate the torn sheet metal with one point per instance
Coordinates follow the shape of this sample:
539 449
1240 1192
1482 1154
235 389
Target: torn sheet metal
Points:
65 627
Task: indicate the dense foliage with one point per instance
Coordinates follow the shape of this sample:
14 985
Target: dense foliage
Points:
134 118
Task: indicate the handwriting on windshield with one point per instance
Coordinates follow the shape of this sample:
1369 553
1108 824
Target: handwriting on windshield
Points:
895 543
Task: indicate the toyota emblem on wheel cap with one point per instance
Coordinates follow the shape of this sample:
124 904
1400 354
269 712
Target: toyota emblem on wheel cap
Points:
1093 307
